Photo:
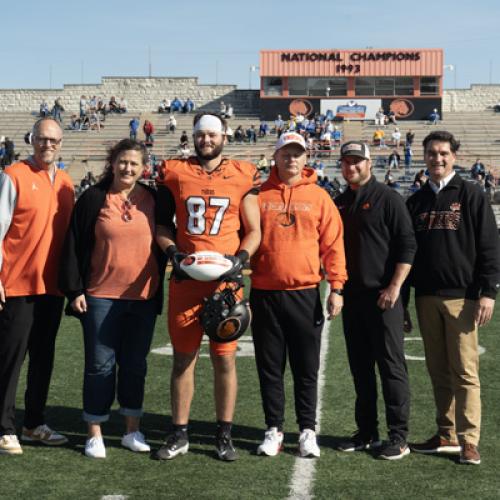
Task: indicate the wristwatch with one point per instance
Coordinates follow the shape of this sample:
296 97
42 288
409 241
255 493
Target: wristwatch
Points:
338 291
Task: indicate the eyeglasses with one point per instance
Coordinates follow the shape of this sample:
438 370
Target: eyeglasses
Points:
41 141
126 207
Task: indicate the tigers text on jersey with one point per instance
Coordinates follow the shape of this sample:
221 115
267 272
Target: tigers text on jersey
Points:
206 205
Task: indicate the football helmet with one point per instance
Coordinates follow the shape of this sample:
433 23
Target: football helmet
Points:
224 317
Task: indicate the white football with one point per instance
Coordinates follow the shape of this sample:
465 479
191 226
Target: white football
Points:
205 266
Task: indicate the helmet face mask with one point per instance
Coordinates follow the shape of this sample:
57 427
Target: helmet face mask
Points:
223 317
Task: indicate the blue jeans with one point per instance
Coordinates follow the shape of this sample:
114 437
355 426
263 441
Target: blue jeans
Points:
116 333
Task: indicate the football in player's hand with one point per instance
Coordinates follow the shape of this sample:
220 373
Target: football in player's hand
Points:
205 266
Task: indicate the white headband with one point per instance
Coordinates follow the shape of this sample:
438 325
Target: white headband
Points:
209 122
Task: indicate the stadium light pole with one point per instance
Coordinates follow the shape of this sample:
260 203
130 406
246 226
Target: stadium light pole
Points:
452 68
252 69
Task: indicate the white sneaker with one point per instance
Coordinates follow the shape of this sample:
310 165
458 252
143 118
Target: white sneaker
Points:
272 444
94 448
9 445
43 434
308 446
135 441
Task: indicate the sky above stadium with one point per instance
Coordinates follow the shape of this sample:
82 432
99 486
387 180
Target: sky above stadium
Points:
50 43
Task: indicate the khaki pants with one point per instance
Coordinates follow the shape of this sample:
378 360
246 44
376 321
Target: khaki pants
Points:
451 352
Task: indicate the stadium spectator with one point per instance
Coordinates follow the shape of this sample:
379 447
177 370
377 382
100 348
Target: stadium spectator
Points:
408 155
36 200
421 177
396 138
222 109
279 125
229 134
164 106
60 164
477 169
57 109
229 111
171 124
149 130
380 117
414 187
188 106
115 292
263 164
297 243
489 185
456 277
239 134
410 137
434 117
44 109
176 105
101 109
263 129
83 106
133 126
380 246
391 118
184 139
337 135
379 138
123 106
184 150
319 167
9 152
251 135
114 107
182 194
394 159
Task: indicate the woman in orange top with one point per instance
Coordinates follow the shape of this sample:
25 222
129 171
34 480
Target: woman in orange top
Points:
111 274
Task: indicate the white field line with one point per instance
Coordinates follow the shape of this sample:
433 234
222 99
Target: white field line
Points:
304 468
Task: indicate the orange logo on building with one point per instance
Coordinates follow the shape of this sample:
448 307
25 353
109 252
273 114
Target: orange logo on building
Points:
302 106
402 108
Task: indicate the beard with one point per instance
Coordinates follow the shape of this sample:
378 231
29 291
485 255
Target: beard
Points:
216 151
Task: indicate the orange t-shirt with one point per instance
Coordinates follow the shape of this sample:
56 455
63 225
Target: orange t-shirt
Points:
123 265
31 248
207 205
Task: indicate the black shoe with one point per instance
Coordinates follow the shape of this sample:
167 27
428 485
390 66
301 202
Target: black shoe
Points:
225 449
176 444
394 449
360 442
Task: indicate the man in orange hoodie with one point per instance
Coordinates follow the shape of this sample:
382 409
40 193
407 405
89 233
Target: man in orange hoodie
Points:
302 242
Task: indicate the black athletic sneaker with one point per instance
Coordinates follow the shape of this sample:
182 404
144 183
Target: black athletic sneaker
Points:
360 442
225 449
394 449
176 444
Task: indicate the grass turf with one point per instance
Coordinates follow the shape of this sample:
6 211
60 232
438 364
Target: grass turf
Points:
61 473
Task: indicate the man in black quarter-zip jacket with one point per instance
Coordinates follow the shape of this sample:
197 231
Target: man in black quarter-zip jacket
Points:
456 275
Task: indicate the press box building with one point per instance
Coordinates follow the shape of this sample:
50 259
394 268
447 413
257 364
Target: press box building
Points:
352 84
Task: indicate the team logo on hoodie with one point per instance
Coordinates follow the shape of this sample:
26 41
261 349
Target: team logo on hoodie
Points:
285 219
455 207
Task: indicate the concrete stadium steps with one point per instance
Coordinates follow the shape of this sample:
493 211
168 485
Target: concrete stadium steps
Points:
479 134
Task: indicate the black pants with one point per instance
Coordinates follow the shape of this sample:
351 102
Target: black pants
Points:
27 324
376 336
287 321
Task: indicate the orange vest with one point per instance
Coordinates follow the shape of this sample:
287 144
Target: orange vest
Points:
32 245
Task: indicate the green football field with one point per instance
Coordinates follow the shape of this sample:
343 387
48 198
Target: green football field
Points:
65 473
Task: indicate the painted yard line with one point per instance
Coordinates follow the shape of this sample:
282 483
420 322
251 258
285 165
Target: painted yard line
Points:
304 468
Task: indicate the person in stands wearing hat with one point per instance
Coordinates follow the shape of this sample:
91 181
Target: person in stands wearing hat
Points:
380 247
301 243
